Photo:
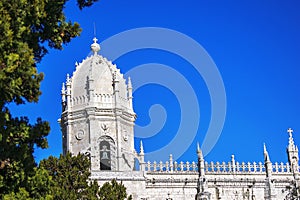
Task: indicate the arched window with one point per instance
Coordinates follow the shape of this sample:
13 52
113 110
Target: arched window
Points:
105 155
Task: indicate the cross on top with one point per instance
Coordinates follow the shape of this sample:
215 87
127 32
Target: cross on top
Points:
290 131
95 40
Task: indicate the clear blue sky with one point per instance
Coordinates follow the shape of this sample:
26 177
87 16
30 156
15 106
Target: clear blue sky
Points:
254 44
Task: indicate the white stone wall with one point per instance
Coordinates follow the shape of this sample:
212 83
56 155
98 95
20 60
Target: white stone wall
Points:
134 181
183 185
161 185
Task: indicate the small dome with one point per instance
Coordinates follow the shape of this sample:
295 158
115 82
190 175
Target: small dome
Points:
96 68
101 71
94 78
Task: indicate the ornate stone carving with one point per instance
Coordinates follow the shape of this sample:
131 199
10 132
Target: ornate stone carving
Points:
105 128
125 137
79 135
125 134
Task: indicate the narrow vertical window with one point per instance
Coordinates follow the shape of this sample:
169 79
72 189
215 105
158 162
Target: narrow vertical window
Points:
105 157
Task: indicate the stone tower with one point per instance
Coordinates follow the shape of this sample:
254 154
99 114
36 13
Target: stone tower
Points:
97 114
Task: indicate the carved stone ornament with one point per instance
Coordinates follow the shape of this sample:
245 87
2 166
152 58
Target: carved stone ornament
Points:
79 135
125 136
105 128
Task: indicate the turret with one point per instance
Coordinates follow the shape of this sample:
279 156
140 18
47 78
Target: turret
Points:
269 189
116 88
63 93
63 97
200 161
268 163
129 88
293 156
202 192
68 90
142 156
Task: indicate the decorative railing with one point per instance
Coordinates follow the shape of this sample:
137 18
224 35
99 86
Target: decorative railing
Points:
171 166
79 100
101 99
104 99
217 167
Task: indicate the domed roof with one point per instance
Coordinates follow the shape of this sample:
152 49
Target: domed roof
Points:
96 74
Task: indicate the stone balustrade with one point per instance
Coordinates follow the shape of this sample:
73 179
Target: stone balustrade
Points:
217 167
99 98
171 166
79 100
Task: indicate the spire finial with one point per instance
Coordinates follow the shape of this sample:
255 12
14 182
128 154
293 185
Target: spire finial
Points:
291 140
141 148
129 83
198 147
63 88
63 92
232 158
268 163
68 79
95 47
199 152
290 131
95 40
266 154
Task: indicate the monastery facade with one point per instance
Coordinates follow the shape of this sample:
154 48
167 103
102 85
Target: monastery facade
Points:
98 120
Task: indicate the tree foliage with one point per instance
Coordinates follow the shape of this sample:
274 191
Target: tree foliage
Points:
113 191
70 175
67 177
85 3
19 139
28 28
